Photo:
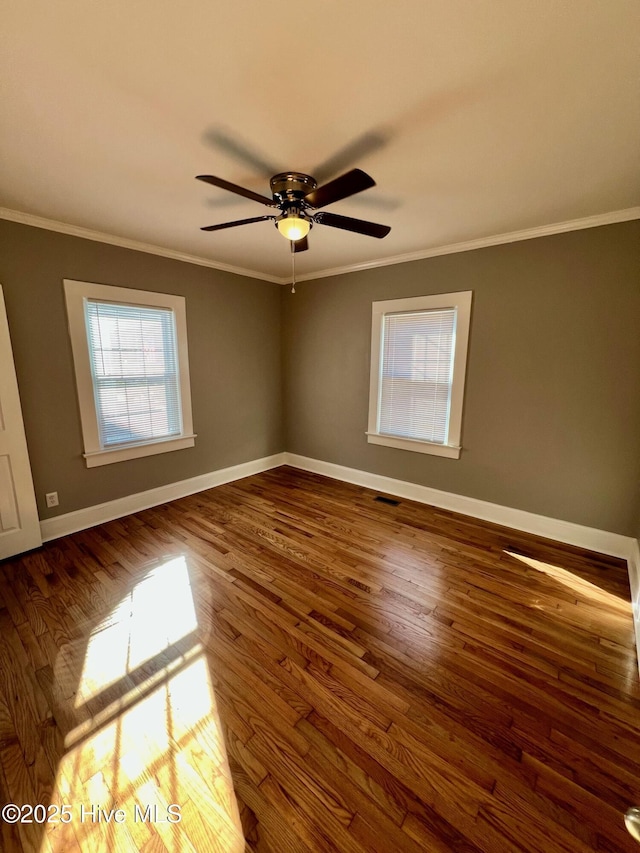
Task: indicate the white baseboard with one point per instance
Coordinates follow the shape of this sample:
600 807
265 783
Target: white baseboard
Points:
634 581
601 541
625 547
81 519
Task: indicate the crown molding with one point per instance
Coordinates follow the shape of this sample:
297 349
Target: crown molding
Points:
483 242
599 219
124 243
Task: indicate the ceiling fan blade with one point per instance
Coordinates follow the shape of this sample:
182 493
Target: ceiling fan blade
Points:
234 188
347 223
348 184
237 222
300 245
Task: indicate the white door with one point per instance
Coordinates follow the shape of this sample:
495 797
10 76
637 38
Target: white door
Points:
19 523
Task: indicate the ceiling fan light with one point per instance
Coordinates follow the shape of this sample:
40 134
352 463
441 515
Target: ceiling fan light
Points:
293 227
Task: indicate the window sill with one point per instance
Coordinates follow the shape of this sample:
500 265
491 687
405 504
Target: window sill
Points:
133 451
449 450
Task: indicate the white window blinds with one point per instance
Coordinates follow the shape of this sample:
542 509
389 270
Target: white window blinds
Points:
134 366
417 371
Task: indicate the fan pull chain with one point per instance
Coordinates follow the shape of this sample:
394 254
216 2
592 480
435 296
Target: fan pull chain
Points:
293 268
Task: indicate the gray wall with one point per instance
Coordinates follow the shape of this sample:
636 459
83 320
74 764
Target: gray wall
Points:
552 408
234 336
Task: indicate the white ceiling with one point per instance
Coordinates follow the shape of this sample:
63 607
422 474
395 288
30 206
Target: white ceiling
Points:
475 117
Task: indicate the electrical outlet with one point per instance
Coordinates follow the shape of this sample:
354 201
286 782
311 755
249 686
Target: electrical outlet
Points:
52 499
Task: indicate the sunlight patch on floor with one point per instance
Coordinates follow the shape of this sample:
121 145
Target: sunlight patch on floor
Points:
151 763
157 613
576 584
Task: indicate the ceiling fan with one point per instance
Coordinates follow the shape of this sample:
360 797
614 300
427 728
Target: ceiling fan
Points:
297 197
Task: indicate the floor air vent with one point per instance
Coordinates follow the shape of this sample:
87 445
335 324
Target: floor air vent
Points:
389 501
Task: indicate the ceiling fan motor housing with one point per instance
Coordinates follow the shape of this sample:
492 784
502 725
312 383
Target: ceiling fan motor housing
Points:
292 186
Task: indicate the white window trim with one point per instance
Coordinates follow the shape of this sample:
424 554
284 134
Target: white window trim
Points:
462 303
76 292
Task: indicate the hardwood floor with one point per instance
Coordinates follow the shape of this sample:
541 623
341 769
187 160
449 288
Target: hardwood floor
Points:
288 660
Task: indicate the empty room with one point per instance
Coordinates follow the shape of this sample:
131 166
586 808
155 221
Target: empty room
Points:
320 426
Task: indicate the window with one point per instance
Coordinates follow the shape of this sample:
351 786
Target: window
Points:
418 362
132 371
